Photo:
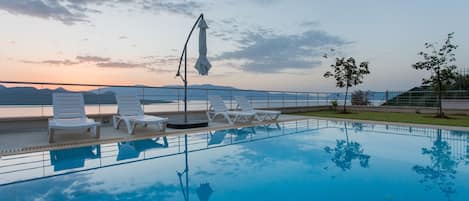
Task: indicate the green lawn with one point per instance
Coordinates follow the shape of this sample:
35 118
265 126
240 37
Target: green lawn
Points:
454 120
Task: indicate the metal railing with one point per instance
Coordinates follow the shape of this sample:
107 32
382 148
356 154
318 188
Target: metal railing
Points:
33 99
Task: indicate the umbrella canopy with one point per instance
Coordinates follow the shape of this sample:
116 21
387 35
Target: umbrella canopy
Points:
204 192
203 65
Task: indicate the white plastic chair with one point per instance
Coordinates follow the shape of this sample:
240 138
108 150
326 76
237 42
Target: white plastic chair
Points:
261 115
69 114
130 112
218 107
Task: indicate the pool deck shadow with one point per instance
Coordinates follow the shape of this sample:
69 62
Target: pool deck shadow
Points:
15 139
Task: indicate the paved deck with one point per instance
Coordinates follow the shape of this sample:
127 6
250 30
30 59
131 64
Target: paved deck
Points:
27 137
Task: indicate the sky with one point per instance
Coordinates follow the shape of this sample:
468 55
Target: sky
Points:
252 44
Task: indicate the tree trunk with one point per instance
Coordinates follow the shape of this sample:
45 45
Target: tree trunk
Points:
346 133
345 100
440 106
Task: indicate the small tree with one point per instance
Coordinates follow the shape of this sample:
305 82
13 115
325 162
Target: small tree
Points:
441 63
347 74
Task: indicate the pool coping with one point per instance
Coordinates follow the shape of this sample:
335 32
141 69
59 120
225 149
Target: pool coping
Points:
455 128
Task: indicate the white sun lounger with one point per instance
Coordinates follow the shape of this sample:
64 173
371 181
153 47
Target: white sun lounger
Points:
130 112
69 114
218 107
261 115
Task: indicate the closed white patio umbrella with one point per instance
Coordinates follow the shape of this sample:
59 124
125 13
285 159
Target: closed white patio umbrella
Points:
203 65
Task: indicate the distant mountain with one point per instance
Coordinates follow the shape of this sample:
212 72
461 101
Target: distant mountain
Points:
33 96
176 92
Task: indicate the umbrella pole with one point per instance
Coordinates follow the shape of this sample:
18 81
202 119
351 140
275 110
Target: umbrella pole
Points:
184 54
185 84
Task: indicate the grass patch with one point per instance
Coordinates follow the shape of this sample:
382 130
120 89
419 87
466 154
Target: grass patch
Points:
452 120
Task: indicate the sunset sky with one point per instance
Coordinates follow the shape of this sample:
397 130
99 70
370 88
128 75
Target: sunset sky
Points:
252 44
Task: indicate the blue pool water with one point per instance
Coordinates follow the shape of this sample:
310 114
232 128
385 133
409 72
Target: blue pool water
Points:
301 160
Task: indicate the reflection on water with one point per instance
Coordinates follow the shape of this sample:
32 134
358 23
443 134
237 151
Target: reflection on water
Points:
132 149
441 172
345 151
240 134
204 191
65 159
262 163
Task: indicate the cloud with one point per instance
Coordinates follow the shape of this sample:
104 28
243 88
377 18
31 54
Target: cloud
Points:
46 9
179 7
309 23
267 52
123 37
70 12
64 62
120 65
150 63
92 59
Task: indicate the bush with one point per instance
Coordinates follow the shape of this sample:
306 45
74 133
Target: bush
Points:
334 104
360 98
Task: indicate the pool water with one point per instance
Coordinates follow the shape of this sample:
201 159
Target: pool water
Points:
300 160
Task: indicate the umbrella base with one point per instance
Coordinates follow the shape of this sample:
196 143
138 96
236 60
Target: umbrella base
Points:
191 123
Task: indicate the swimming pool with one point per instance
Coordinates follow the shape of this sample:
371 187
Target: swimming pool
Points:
300 160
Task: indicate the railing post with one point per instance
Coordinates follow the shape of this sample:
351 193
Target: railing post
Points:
231 99
206 99
42 105
327 99
317 98
296 99
283 100
143 98
268 99
410 99
99 102
179 99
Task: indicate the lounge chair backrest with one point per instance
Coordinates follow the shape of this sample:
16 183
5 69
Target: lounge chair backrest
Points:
68 105
217 104
243 103
129 105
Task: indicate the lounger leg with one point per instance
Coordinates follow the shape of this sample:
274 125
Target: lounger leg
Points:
258 118
131 127
97 132
163 126
115 122
51 135
276 117
264 117
227 117
278 125
209 117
